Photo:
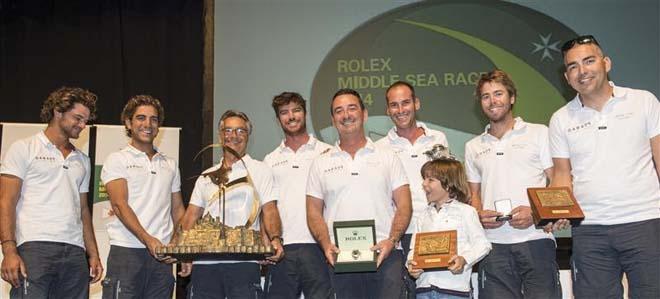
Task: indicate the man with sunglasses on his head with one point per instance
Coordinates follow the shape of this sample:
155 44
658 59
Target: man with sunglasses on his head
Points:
604 144
45 222
243 203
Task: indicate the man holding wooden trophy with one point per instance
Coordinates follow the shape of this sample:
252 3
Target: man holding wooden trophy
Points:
605 145
509 157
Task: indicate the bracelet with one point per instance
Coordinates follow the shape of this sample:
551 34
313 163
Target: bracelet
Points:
278 237
7 241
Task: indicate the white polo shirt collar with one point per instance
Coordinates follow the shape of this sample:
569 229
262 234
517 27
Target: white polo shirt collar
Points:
309 145
394 137
41 136
518 125
368 148
618 94
136 152
434 206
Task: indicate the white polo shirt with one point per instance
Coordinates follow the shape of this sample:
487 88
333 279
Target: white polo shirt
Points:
238 201
48 207
614 178
357 188
150 187
413 158
505 168
290 171
471 242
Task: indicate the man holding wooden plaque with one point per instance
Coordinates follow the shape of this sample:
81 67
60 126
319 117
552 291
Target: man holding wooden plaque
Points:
509 157
604 144
357 181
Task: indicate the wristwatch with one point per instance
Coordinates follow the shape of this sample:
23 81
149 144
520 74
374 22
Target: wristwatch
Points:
276 237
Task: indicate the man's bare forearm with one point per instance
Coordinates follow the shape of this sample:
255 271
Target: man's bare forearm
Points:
272 221
178 210
403 213
10 187
89 237
561 173
315 221
118 193
127 217
475 196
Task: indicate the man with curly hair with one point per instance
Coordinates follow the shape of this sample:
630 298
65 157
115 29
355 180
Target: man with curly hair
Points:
144 187
45 222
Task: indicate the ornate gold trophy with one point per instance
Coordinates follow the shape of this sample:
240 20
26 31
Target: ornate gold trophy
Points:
210 239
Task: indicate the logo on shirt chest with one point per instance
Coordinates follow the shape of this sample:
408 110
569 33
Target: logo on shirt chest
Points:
280 163
45 158
333 169
624 115
483 152
579 127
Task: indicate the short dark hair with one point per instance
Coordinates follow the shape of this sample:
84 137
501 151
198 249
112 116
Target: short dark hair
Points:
397 84
345 91
497 76
64 98
451 174
235 113
288 97
137 101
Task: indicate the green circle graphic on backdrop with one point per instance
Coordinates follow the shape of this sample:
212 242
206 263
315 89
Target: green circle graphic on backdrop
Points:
442 47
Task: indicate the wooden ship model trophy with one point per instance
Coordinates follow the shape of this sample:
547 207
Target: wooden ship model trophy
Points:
210 238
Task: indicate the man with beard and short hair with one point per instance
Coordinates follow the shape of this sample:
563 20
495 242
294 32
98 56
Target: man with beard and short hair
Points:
604 144
509 157
303 269
356 180
234 279
45 222
144 188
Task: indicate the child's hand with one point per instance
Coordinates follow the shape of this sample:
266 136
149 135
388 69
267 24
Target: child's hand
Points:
415 273
456 264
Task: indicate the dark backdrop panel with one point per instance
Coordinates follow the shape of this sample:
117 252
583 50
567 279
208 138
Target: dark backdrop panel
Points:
115 48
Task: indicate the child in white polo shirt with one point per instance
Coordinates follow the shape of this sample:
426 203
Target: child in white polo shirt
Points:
447 194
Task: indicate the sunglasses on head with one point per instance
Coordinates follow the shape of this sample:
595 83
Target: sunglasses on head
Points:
580 40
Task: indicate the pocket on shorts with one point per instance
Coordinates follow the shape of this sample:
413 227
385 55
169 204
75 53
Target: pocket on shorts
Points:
110 288
257 290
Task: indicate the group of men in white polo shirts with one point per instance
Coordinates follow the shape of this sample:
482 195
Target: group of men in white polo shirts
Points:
604 144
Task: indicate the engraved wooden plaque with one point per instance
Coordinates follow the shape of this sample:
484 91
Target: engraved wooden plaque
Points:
553 203
434 249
